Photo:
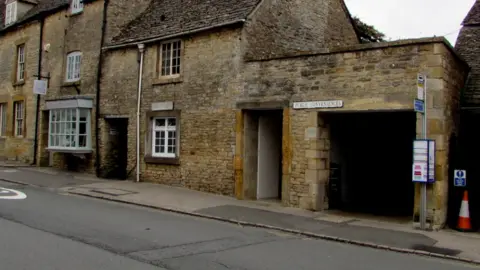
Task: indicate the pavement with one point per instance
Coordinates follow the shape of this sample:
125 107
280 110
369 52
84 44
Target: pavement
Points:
380 234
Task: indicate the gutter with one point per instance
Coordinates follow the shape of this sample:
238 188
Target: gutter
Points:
37 110
97 94
145 41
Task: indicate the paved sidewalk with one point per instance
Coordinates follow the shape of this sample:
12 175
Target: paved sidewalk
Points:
399 237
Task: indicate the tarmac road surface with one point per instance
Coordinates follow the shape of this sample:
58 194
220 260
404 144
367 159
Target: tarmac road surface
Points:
47 230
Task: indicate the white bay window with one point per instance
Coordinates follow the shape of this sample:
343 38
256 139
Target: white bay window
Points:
69 125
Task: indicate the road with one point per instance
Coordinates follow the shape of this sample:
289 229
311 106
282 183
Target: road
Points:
48 230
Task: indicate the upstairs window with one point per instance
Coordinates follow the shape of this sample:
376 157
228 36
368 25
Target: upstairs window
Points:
21 63
170 59
74 60
3 119
11 13
76 6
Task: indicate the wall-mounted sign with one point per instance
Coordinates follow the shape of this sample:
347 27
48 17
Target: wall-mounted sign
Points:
40 87
162 106
318 104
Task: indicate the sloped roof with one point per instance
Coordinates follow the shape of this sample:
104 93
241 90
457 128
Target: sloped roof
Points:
42 8
473 17
468 47
168 17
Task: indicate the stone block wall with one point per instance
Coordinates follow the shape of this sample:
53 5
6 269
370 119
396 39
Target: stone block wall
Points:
203 97
366 77
282 27
19 148
65 33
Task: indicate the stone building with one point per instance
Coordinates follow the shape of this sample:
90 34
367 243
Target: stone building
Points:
269 100
19 39
59 42
468 46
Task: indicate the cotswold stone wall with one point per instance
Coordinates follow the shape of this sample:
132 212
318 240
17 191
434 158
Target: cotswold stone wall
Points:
366 77
67 33
203 96
11 146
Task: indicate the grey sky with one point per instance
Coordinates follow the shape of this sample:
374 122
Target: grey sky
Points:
413 18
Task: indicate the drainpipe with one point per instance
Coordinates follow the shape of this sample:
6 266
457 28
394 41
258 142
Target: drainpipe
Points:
97 94
141 49
37 110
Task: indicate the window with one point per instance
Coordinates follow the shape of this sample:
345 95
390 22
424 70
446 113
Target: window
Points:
74 60
164 137
18 124
69 129
3 119
11 13
20 62
76 6
170 59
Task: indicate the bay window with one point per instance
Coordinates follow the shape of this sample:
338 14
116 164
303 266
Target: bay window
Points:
69 129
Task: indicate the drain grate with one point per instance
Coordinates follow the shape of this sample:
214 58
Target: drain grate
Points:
112 191
439 250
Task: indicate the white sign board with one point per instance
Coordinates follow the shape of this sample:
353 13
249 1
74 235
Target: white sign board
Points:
424 153
162 106
40 87
420 87
318 104
419 172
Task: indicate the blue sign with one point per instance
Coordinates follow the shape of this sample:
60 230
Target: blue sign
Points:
460 178
419 105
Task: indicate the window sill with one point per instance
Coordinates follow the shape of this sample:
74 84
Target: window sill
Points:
19 83
162 160
167 80
67 84
75 151
72 14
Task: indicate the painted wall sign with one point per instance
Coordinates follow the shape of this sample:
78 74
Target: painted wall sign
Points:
162 106
318 104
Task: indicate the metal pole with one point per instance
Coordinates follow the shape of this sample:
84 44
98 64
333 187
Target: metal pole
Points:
423 191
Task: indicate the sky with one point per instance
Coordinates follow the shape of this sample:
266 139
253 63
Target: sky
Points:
400 19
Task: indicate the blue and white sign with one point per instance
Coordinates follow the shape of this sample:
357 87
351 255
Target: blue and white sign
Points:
419 105
460 178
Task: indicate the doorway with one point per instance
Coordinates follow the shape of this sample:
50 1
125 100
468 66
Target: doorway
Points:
370 160
263 154
115 165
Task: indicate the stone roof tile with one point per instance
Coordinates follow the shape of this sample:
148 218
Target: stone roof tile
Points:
169 17
473 17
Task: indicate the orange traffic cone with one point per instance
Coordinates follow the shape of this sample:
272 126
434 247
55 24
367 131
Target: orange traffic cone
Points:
464 216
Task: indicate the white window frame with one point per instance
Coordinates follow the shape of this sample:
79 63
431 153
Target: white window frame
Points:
3 119
76 6
19 112
167 70
64 129
21 63
74 62
10 13
163 151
